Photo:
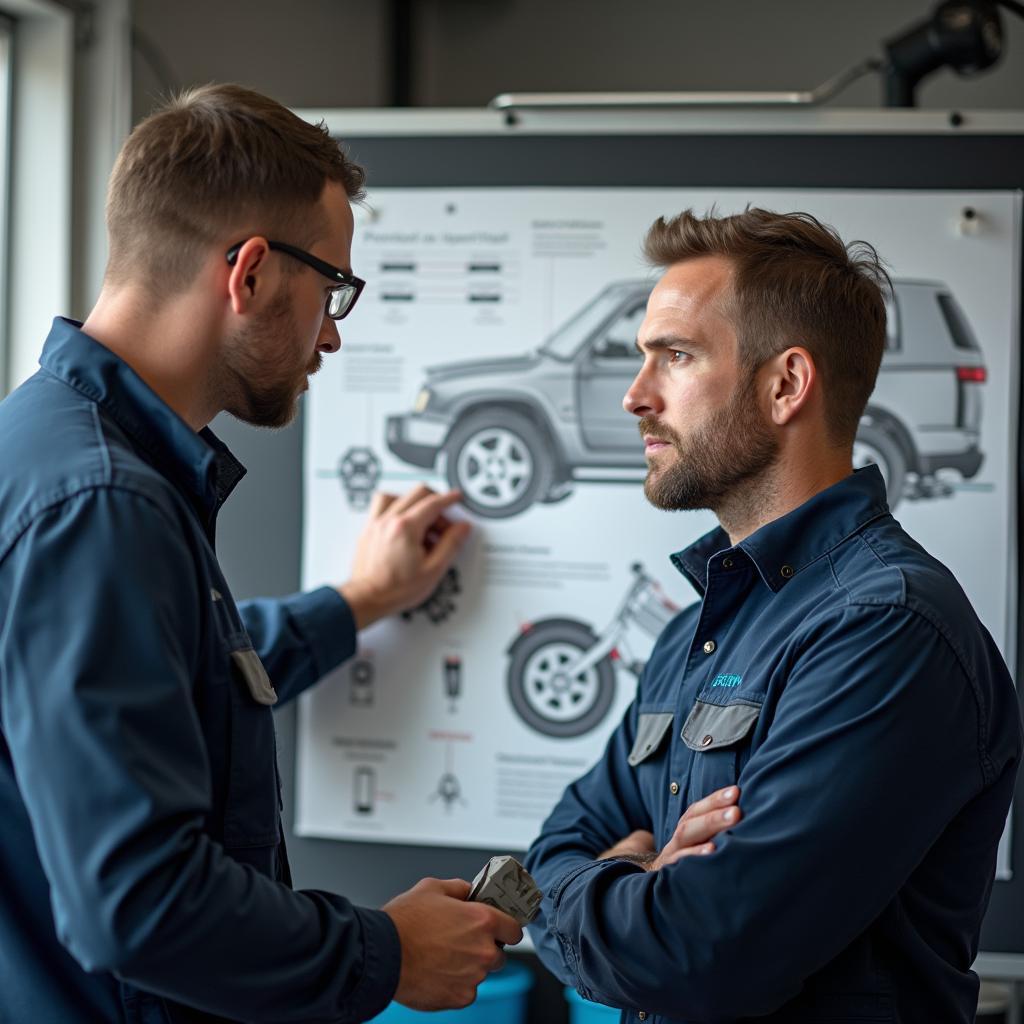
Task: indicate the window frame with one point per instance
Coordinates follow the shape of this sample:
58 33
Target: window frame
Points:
38 201
6 114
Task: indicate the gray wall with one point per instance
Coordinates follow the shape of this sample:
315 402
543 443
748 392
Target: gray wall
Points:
302 52
335 53
472 50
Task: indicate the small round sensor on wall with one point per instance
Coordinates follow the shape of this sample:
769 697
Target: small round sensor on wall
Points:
969 221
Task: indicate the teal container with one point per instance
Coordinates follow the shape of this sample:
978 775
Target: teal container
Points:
500 999
583 1011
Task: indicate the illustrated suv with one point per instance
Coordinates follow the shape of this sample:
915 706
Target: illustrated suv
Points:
509 432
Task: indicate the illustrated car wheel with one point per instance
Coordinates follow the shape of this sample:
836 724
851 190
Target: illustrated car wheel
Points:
873 446
546 694
499 462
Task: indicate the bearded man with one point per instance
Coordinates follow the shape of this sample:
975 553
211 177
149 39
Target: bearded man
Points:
142 860
836 719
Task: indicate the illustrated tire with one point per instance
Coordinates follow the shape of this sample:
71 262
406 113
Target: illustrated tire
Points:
545 698
500 461
873 446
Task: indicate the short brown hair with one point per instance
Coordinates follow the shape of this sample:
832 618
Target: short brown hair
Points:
794 282
212 159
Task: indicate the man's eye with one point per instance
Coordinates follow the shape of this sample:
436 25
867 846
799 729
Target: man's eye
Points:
675 356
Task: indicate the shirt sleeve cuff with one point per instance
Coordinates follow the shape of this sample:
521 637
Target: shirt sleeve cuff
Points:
558 889
382 963
565 915
327 623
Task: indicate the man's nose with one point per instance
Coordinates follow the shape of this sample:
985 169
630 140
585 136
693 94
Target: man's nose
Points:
329 338
641 399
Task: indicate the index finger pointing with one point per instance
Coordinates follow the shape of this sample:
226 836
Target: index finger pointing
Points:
412 498
380 502
429 509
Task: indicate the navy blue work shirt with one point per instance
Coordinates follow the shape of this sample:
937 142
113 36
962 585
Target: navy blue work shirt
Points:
838 674
142 864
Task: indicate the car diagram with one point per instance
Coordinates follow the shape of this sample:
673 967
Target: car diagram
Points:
513 431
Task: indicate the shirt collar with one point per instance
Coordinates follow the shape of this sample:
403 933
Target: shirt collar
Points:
781 549
198 462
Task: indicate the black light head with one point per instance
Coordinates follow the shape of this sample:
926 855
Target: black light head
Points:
965 35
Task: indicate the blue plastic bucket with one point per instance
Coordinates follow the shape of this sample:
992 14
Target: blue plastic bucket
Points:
583 1011
500 999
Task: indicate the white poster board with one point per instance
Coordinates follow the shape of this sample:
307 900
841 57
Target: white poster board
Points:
491 349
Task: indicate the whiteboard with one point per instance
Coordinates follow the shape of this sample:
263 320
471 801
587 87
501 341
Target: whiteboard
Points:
457 725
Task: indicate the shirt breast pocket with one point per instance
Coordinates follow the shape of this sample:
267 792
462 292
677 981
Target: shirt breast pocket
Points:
651 729
719 736
252 811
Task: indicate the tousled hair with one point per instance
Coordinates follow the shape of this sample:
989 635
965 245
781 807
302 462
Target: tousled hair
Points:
794 282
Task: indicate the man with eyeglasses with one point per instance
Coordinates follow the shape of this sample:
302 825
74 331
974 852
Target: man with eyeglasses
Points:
142 861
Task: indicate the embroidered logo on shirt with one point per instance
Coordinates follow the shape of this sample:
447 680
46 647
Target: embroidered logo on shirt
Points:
723 680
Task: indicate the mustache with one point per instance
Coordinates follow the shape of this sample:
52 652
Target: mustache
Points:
650 425
316 363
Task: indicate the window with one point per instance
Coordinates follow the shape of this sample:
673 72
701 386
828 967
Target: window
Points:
5 188
619 341
892 324
565 342
37 169
956 322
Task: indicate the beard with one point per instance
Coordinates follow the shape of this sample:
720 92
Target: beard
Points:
733 447
262 391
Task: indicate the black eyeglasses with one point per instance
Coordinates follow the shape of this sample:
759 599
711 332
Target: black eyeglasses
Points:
341 298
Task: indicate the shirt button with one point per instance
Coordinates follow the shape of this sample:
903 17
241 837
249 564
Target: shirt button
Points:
707 741
709 647
727 563
786 571
674 788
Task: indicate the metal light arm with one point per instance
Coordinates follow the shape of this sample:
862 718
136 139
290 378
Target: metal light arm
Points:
632 100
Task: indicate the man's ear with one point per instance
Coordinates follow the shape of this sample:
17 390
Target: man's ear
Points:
248 274
793 379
